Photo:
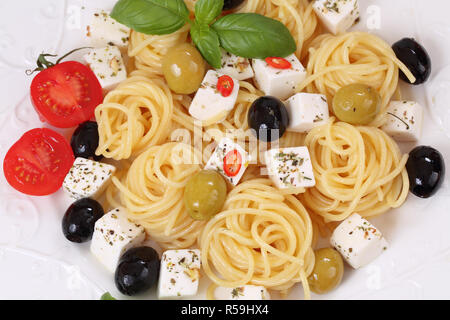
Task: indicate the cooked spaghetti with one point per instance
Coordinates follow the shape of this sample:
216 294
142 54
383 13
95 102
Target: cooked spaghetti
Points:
153 189
261 237
357 169
353 57
134 116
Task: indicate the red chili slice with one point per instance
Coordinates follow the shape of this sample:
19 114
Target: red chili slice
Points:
232 163
278 63
225 86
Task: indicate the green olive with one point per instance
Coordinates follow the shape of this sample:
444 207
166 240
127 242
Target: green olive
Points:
328 271
184 68
357 104
205 194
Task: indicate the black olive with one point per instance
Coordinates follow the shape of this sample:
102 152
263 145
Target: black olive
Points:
415 58
138 270
426 171
231 4
79 220
269 118
84 141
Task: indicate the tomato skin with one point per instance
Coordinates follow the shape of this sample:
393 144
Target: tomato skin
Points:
38 162
66 94
278 63
225 86
232 163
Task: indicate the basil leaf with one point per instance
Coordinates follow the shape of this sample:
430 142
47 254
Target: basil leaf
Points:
151 16
207 10
252 35
207 43
107 296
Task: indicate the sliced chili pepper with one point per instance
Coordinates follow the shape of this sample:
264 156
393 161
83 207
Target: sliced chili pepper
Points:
232 163
225 86
278 63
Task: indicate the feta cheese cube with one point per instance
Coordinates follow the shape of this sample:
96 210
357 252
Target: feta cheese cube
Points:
337 15
113 235
233 153
208 104
280 83
107 64
236 67
404 120
306 111
87 178
290 167
247 292
358 241
179 274
104 31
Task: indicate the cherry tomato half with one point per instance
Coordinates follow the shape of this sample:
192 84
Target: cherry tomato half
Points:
232 163
66 94
278 63
225 86
38 162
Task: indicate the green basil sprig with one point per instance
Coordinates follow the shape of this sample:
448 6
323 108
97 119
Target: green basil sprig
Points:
207 43
252 35
107 296
208 10
152 16
247 35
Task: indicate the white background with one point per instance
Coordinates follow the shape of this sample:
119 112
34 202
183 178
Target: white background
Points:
36 262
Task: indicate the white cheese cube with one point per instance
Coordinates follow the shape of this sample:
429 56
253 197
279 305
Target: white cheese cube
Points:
228 158
404 121
236 67
306 111
209 105
337 15
113 235
104 31
107 64
179 274
290 168
87 178
280 83
247 292
358 241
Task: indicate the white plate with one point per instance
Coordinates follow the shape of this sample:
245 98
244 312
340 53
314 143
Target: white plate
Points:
37 262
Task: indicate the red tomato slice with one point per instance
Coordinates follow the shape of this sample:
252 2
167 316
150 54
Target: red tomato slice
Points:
232 163
38 162
278 63
225 86
66 94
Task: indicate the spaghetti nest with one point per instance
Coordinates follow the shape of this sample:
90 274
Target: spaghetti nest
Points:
153 189
353 57
134 116
357 169
261 237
